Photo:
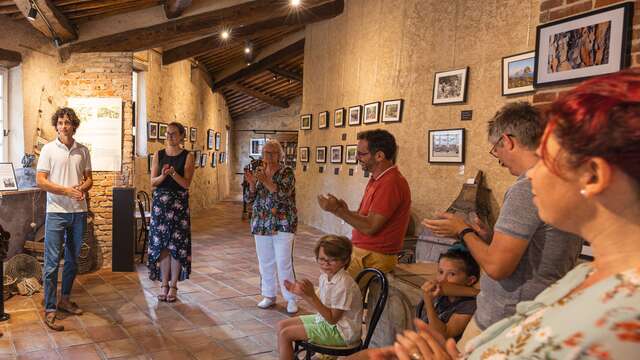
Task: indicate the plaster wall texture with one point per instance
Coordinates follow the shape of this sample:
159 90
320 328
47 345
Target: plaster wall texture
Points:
388 49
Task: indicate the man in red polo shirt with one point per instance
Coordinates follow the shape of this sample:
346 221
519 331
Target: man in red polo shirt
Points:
381 221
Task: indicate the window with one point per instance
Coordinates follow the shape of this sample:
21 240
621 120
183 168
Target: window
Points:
4 107
140 112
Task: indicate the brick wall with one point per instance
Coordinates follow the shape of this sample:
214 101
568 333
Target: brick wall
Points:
103 75
552 10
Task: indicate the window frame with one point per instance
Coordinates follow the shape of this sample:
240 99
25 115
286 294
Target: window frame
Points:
4 109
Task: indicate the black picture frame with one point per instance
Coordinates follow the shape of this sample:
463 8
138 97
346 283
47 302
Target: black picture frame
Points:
553 40
450 87
203 159
335 154
210 138
371 113
304 154
213 159
392 110
162 131
149 162
323 120
321 154
350 154
338 117
355 115
446 146
152 130
525 80
198 156
306 121
193 134
218 139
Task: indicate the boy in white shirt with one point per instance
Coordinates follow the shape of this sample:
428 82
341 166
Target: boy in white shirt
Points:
338 301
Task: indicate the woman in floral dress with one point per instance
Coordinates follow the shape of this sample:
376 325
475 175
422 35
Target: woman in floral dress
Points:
169 251
587 183
272 189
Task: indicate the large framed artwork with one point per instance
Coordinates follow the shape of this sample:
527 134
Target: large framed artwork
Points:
354 115
450 87
210 137
392 110
517 73
582 46
321 154
350 156
162 131
446 146
338 117
336 154
152 130
7 177
323 120
305 122
304 154
371 113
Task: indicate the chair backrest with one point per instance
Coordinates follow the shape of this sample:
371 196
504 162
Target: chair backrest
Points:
420 309
374 276
143 218
144 197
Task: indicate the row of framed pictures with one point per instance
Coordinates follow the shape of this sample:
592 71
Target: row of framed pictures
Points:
157 130
445 146
367 114
200 159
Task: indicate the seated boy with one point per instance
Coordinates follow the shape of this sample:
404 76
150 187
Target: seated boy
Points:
449 302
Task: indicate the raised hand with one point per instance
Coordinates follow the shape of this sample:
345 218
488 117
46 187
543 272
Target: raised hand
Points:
446 224
330 203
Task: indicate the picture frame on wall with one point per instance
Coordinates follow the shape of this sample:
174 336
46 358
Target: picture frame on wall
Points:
517 73
304 154
450 87
350 156
224 157
193 135
162 131
582 46
323 120
338 117
336 154
218 138
213 160
210 138
321 154
371 113
305 122
355 115
203 159
8 180
198 156
392 110
152 130
255 147
149 162
446 146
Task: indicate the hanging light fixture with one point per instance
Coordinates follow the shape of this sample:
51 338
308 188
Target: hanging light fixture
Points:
33 13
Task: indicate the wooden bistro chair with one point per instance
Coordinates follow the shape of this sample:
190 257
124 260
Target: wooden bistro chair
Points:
143 214
375 276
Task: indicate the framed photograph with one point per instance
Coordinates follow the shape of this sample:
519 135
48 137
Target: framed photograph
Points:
8 180
210 136
321 154
446 146
350 154
217 141
450 87
152 130
305 122
323 120
149 162
213 160
582 46
304 154
162 131
392 110
223 157
354 115
203 160
517 73
198 156
193 134
371 113
338 117
255 148
336 154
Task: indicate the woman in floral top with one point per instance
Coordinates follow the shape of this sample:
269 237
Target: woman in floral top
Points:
587 183
272 189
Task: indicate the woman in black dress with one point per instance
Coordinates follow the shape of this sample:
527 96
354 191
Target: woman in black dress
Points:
169 251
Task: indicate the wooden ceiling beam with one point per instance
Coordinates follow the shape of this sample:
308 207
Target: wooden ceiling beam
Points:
10 58
260 96
174 8
286 73
261 65
47 12
310 15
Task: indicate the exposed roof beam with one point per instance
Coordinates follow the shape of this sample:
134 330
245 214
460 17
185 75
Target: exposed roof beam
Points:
260 96
310 15
175 8
48 12
10 58
286 73
265 63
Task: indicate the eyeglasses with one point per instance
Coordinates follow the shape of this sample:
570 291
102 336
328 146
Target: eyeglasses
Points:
171 133
327 261
492 152
361 154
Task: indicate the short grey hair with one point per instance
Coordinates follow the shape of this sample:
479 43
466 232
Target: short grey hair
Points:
276 144
519 119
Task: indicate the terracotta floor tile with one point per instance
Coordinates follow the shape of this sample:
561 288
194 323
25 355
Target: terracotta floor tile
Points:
142 330
6 346
40 355
68 338
244 346
153 343
119 348
223 332
30 343
106 333
81 352
173 354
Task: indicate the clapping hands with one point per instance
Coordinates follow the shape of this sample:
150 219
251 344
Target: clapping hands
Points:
331 204
303 288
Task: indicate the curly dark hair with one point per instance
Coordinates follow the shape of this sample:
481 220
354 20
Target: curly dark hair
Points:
69 112
471 266
380 140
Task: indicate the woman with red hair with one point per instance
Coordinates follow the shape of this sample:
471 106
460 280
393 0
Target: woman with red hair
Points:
587 183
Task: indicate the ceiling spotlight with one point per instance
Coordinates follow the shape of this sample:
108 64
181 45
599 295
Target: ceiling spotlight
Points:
275 77
295 2
32 13
57 42
225 34
248 63
247 50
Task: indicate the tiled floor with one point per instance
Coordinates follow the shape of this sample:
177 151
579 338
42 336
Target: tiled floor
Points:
215 316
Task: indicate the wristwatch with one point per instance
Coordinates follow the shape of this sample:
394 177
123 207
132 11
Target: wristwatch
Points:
464 232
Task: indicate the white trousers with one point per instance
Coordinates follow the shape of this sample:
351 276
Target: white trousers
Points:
274 254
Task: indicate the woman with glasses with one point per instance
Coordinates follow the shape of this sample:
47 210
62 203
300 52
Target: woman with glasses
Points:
272 189
169 254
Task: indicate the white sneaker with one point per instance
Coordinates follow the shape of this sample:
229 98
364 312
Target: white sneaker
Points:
266 303
292 307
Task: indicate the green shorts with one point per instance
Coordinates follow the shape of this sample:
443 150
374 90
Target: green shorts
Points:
321 332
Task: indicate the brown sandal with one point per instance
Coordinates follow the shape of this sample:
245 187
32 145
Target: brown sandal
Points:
172 298
163 297
50 321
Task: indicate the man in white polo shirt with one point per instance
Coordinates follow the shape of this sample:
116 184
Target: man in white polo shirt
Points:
64 172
